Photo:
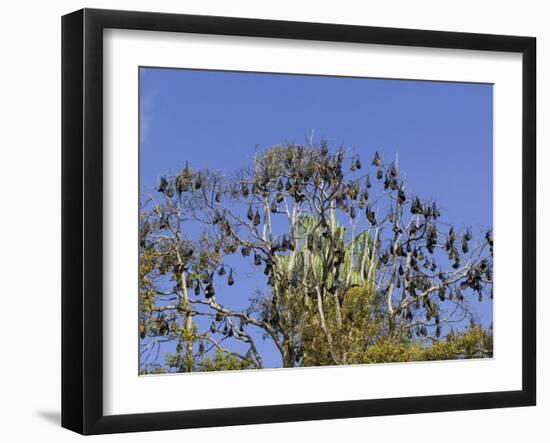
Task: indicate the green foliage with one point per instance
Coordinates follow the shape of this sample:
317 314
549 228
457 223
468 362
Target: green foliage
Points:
362 324
364 338
224 361
474 342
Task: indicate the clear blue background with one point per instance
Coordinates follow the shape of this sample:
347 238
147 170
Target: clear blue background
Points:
442 133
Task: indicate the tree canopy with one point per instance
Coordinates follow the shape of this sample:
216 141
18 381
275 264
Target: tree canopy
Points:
356 268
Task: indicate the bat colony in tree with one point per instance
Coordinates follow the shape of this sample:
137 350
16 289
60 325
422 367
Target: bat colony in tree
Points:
357 268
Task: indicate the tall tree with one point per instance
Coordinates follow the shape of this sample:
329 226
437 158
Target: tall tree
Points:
356 267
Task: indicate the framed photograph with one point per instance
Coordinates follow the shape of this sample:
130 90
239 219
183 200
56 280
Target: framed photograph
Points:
268 221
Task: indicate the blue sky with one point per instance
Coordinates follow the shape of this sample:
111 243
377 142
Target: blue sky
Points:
442 132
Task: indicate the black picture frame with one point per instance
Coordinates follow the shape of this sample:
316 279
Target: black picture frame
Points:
82 215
